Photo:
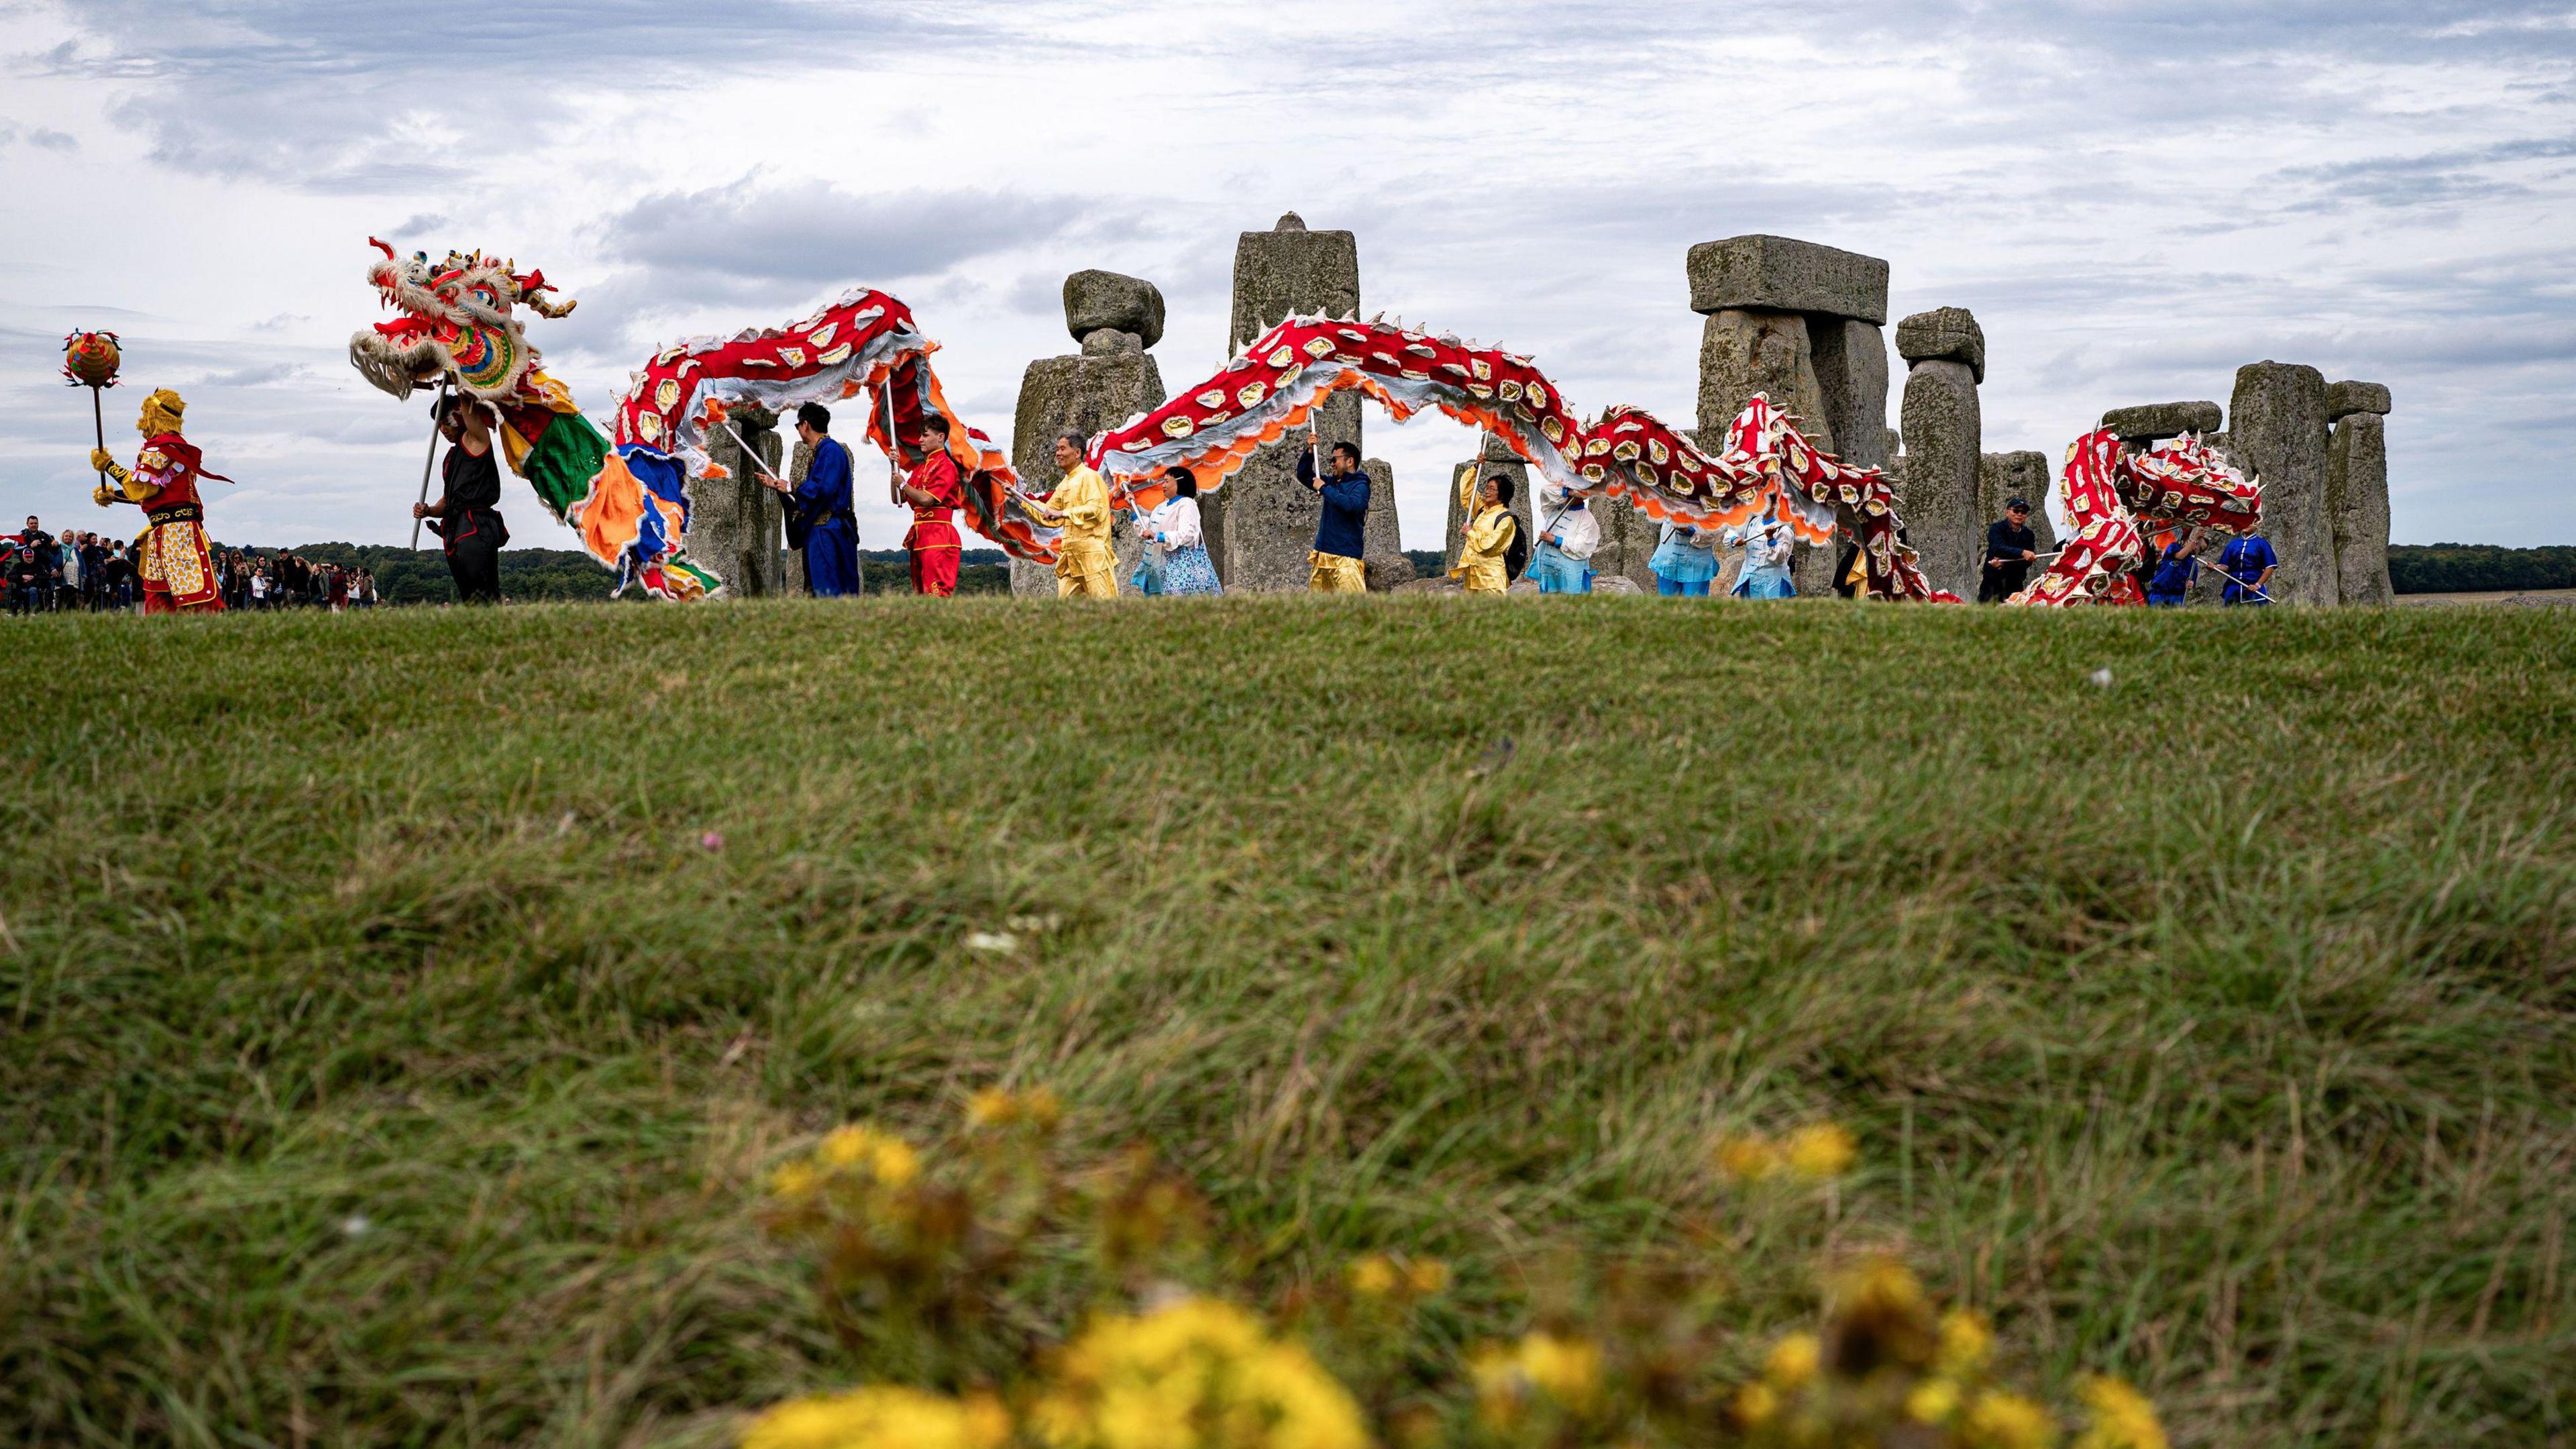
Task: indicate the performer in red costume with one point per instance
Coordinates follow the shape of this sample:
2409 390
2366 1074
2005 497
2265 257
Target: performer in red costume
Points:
936 492
170 558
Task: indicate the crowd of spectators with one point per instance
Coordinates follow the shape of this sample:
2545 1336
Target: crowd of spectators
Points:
73 571
76 571
283 580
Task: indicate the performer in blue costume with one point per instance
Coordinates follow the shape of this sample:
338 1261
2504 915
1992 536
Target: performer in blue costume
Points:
822 500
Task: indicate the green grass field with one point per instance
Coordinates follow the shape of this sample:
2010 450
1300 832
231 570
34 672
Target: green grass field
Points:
385 1058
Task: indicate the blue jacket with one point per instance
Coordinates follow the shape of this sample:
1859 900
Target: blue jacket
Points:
2243 562
2174 574
1345 522
824 495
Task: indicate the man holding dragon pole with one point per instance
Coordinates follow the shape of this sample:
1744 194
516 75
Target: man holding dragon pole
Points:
176 568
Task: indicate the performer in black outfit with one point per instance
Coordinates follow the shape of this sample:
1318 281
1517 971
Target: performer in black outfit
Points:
2011 548
466 512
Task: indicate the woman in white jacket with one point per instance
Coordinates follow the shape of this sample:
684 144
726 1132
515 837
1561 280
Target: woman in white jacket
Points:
1171 532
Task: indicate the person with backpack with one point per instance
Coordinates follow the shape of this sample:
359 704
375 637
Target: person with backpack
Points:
1491 551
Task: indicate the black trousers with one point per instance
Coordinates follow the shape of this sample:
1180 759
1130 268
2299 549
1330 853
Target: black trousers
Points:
474 556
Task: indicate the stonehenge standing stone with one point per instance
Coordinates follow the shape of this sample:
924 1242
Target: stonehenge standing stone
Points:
1109 381
2357 491
1495 457
1799 322
1261 524
737 526
1382 552
2277 424
1944 445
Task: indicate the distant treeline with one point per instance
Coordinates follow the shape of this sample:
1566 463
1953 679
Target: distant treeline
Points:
533 575
2475 568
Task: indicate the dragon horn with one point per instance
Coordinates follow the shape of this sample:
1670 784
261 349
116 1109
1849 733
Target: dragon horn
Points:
380 246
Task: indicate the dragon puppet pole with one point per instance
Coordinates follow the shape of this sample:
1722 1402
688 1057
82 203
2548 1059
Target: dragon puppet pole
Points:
98 423
437 415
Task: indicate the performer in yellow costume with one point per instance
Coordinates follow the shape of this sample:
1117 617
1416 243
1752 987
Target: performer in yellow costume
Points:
171 557
1084 566
1484 550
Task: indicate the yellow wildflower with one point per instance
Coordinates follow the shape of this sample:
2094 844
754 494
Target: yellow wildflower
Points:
991 1107
1821 1151
1569 1369
844 1146
1197 1374
2007 1421
794 1181
881 1417
2122 1417
894 1162
1426 1276
1039 1107
1793 1362
1747 1159
1754 1405
1374 1276
888 1158
1932 1401
1966 1342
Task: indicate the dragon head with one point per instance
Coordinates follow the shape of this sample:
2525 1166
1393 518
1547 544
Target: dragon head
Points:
457 317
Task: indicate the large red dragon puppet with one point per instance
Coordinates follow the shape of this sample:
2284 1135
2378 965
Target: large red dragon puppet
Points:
627 495
1276 383
2113 497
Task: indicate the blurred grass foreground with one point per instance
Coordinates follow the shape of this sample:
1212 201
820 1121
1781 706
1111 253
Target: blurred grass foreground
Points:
1290 1022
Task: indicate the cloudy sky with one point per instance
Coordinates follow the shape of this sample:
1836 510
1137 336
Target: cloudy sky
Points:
2134 199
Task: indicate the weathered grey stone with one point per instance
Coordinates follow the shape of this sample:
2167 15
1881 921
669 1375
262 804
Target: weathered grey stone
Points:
1944 334
1851 377
1382 551
1094 300
1780 274
1261 525
2277 423
1084 394
2343 399
2155 422
790 560
737 526
1745 351
2002 477
1615 584
1944 456
1110 342
1506 466
1628 538
2357 494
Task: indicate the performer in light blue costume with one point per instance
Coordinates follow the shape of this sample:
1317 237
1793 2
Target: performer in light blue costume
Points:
1767 546
1173 541
823 501
1685 561
1562 563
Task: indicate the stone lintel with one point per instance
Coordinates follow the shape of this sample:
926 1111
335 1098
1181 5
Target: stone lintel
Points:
1782 274
2343 399
1944 334
2155 422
